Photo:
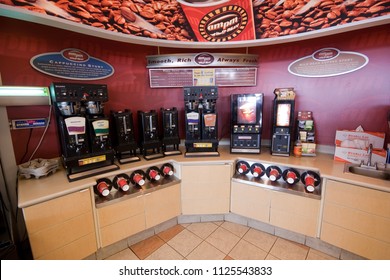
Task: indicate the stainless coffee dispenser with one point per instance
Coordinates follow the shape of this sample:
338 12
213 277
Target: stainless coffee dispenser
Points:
149 138
170 131
123 137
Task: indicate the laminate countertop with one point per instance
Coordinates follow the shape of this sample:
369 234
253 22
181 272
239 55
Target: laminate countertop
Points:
33 191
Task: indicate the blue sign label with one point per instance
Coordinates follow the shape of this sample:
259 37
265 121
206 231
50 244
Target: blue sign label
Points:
28 123
72 64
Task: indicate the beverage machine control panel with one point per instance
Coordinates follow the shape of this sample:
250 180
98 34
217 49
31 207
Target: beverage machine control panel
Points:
201 120
246 123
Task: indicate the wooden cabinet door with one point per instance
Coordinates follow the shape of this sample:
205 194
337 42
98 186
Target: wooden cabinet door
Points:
250 201
58 223
205 188
296 213
162 205
357 219
121 220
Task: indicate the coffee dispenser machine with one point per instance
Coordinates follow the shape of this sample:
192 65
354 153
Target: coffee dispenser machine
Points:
282 121
83 128
201 120
149 142
246 123
170 136
123 138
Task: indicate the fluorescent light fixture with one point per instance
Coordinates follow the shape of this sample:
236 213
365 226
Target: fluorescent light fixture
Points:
24 96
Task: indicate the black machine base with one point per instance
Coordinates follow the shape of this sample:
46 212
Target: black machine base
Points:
91 172
202 154
151 150
245 150
171 149
127 158
127 155
280 154
78 168
152 153
172 153
170 146
153 156
201 148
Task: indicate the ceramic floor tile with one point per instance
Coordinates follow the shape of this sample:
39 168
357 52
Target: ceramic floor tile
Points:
206 251
317 255
203 230
144 248
247 251
260 239
237 229
217 241
271 258
168 234
184 242
288 250
125 254
223 240
165 252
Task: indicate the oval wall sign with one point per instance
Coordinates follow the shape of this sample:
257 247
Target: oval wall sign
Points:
204 59
328 62
72 64
325 54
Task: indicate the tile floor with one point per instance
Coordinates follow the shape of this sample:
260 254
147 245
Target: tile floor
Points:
217 241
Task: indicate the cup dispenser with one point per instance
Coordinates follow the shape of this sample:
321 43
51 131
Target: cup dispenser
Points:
283 178
201 121
84 129
149 142
282 121
170 136
124 142
246 123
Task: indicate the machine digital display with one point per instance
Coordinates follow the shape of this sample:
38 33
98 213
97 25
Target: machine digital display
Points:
246 109
283 115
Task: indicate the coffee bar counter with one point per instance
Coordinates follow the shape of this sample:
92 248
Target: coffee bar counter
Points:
33 191
211 186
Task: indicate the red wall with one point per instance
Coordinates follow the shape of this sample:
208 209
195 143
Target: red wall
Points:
342 102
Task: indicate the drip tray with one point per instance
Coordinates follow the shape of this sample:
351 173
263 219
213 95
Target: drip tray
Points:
202 154
153 156
128 160
171 153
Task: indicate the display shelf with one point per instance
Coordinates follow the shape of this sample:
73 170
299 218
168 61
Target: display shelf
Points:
305 133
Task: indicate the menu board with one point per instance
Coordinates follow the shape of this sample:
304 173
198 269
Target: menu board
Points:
166 78
160 78
236 77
